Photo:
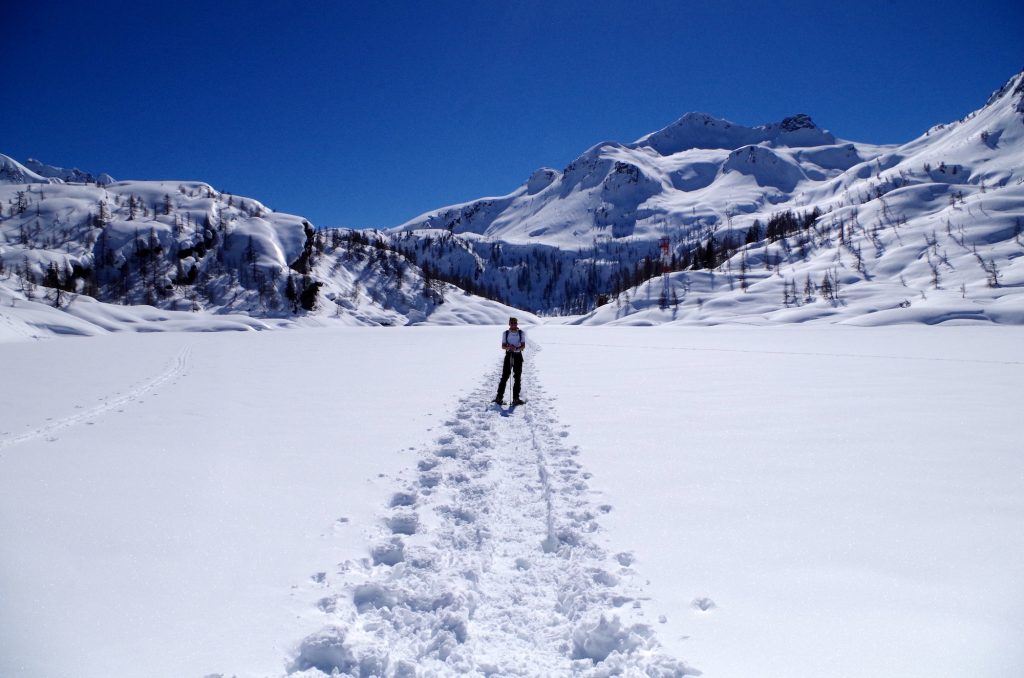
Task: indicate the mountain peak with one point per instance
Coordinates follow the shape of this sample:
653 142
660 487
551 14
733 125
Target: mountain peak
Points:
703 131
69 175
13 172
797 122
1012 92
693 130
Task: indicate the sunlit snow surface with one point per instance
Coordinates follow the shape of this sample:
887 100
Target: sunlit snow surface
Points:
741 501
749 487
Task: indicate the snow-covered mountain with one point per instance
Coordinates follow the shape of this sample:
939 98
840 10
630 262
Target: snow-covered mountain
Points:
34 171
13 172
777 223
67 175
676 177
754 213
186 247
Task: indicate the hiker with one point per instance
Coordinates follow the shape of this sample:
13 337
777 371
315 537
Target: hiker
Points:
513 342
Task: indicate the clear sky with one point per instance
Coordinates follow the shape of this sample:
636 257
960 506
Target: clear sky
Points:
369 113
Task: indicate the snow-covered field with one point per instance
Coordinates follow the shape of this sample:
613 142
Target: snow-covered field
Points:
791 502
849 499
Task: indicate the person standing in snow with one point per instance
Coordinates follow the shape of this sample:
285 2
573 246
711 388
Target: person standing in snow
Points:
513 342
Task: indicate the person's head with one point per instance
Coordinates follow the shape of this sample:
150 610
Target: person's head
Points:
513 323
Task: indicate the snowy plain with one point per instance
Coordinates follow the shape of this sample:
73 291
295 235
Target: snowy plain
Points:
796 501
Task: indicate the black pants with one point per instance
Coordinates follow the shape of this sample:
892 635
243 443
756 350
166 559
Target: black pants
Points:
513 365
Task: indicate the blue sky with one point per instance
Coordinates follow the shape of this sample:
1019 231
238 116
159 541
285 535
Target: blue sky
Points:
367 114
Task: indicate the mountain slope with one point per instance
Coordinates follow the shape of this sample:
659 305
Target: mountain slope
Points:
184 246
776 223
13 172
693 171
752 212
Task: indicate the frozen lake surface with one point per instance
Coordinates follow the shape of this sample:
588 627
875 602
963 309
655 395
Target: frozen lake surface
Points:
773 502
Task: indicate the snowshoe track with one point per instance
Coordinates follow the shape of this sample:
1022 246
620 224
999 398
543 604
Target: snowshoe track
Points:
109 404
485 565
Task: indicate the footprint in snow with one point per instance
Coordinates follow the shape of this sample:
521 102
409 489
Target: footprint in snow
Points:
402 499
703 604
389 553
404 522
430 479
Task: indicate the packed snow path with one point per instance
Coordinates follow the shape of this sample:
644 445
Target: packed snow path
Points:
484 564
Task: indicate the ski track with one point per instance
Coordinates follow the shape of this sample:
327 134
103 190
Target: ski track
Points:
485 564
107 404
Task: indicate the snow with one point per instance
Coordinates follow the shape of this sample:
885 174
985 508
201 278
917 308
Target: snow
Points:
775 501
177 524
61 174
934 222
847 498
13 172
800 462
927 231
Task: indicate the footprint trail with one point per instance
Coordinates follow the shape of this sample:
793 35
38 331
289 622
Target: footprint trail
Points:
109 404
485 565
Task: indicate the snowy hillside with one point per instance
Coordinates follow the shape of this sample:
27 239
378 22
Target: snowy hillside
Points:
13 172
677 177
772 224
768 219
185 247
67 175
